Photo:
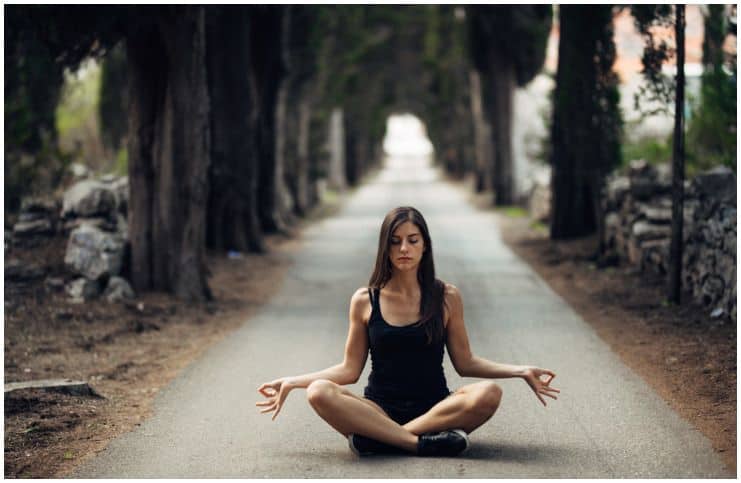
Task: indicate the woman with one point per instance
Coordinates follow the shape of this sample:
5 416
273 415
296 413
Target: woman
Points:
405 318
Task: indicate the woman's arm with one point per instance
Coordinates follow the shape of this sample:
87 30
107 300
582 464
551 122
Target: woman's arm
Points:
346 372
469 365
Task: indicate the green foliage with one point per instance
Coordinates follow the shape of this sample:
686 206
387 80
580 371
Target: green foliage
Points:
711 133
654 151
659 88
513 211
122 161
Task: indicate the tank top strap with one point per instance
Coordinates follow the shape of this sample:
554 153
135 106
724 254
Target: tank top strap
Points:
374 294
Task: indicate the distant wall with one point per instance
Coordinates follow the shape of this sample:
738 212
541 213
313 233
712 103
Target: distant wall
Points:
638 228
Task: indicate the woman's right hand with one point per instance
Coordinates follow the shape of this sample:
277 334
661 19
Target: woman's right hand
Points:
276 392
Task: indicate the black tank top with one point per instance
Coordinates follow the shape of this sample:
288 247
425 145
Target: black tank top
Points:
404 366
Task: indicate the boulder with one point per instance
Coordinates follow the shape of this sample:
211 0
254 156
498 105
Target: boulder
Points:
83 289
118 290
54 284
657 215
40 227
79 171
120 189
94 253
42 206
643 230
89 198
101 223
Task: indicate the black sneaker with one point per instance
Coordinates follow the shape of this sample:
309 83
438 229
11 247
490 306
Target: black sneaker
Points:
365 446
445 443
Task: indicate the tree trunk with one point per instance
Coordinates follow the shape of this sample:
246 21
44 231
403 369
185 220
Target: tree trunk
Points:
232 209
583 133
482 136
675 254
499 106
169 154
266 30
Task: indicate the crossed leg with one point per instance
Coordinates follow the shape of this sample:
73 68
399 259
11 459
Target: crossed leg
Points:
468 408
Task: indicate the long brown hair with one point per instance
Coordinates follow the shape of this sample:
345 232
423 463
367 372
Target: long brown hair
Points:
432 290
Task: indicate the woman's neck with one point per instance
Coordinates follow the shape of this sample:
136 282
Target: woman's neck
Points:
404 282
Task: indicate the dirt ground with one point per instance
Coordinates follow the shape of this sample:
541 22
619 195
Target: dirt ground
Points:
127 352
687 357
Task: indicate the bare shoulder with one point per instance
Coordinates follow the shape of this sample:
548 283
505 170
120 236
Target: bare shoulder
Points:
360 305
453 303
452 295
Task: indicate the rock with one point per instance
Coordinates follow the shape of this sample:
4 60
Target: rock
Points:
712 289
78 170
120 189
101 223
718 183
717 312
89 198
641 168
122 226
643 230
66 386
118 290
655 255
83 289
42 206
18 271
108 178
664 175
660 216
42 227
93 253
26 217
54 283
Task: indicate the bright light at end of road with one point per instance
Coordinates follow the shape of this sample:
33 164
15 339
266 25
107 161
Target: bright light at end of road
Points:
406 136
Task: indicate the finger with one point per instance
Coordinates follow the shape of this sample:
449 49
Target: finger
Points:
267 391
277 410
549 395
265 403
541 399
553 389
267 410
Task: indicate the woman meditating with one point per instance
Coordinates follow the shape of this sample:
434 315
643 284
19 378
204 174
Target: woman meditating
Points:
405 318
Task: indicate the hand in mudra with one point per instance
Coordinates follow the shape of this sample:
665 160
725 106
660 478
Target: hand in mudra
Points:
276 392
541 387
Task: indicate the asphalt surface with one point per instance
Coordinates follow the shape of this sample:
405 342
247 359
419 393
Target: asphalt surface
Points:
607 423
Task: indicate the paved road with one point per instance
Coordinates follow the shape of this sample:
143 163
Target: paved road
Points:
608 423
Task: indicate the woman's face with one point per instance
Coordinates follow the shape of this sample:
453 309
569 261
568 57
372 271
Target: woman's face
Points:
407 247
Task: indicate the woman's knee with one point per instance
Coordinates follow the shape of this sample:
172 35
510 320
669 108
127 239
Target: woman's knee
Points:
320 391
487 399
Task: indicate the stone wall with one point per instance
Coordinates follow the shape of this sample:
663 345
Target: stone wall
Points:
638 228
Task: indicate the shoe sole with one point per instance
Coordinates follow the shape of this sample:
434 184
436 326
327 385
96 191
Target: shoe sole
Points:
355 450
464 436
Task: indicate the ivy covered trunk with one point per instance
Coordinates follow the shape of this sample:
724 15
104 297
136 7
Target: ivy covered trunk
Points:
169 154
586 122
233 221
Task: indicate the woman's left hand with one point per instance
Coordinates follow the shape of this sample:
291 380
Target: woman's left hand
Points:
541 387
